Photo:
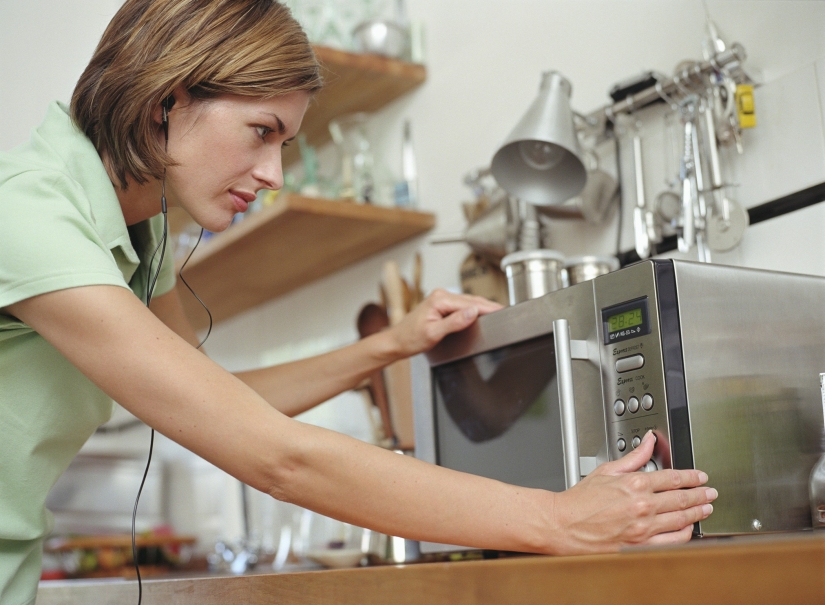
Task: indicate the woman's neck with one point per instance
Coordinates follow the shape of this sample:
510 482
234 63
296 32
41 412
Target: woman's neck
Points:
138 202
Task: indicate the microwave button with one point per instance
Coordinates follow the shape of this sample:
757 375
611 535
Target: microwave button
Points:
618 407
647 401
636 441
621 444
649 467
633 405
634 362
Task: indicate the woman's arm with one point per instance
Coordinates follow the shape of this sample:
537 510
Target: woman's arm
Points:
115 341
295 387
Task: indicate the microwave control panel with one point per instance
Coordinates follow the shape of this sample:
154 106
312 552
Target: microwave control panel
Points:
631 358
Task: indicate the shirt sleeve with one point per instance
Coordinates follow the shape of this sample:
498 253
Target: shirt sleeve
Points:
48 239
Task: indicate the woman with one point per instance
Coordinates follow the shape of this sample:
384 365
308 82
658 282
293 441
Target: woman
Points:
191 101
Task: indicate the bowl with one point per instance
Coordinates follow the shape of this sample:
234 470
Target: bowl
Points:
380 37
336 558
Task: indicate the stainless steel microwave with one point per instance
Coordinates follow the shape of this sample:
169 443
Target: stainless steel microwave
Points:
722 363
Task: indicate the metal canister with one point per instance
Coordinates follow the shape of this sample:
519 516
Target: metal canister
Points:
532 273
584 268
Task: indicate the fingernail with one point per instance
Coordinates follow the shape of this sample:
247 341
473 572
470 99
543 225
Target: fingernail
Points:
707 509
703 477
470 312
711 494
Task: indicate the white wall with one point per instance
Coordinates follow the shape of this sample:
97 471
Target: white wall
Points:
484 61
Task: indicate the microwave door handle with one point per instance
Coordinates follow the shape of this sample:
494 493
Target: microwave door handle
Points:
566 351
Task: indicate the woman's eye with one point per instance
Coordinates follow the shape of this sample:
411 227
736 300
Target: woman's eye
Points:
263 131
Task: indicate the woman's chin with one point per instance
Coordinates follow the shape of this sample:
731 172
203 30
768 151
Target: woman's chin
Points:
215 224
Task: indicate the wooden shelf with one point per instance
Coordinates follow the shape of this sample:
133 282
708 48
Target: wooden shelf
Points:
353 82
289 244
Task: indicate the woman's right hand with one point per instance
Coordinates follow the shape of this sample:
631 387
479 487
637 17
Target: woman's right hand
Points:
615 506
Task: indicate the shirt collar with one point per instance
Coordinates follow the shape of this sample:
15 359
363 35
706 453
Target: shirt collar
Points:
86 167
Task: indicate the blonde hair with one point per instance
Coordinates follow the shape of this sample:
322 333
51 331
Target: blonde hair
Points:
252 48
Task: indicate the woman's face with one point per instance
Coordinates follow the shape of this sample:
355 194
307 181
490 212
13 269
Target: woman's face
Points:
227 149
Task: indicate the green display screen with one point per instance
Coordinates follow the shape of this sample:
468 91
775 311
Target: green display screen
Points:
622 321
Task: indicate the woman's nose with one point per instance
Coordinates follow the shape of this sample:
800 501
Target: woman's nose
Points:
270 172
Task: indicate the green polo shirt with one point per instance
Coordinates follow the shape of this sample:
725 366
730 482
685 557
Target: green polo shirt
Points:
61 226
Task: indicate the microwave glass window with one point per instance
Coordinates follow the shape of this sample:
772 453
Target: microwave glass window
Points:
497 415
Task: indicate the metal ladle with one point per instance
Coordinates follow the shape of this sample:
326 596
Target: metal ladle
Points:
728 220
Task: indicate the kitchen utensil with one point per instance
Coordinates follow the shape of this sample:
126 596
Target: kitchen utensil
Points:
700 208
532 273
727 220
399 385
371 320
585 268
418 294
381 37
668 206
639 212
687 233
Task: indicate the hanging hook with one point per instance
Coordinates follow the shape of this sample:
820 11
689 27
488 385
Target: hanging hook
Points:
661 92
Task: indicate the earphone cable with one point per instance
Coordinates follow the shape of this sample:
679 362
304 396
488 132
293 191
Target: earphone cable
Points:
185 283
150 288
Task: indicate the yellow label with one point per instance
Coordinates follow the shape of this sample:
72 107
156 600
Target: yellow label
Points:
745 106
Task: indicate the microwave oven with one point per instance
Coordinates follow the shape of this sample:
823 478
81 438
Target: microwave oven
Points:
722 363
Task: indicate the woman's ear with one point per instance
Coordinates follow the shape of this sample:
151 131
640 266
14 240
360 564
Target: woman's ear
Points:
179 97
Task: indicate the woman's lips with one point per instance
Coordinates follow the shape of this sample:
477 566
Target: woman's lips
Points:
241 200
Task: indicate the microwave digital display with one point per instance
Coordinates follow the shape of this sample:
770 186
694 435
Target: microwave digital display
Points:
627 320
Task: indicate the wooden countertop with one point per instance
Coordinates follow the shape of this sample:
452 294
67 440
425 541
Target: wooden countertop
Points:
776 569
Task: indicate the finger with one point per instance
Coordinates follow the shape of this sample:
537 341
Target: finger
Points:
671 479
447 302
634 460
682 499
678 520
672 537
455 322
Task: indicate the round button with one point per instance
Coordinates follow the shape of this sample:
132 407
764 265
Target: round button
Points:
618 407
621 444
650 466
635 441
647 401
633 405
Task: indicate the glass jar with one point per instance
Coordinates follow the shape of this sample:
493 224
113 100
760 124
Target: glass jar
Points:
816 485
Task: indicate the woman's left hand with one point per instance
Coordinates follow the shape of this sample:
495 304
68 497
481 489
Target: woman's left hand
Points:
441 313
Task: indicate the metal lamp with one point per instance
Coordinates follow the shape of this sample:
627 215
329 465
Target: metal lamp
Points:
540 162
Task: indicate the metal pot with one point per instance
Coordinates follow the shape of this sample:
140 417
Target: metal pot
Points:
585 268
532 273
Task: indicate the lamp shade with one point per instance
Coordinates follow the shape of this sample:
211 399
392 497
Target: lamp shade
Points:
540 162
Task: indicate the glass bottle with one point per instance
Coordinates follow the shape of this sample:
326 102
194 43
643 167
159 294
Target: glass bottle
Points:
816 485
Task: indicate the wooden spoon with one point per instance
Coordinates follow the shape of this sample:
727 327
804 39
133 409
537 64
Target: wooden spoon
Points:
371 320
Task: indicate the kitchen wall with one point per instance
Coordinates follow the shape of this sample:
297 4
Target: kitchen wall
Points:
484 62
